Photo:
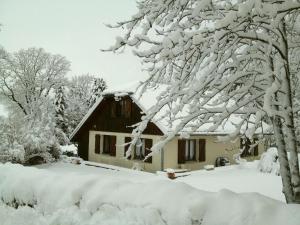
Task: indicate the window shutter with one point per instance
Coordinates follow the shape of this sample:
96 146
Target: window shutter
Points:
193 150
97 144
113 145
255 148
202 150
126 147
243 146
148 146
181 151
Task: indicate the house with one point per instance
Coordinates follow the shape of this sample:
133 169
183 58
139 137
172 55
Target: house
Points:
103 132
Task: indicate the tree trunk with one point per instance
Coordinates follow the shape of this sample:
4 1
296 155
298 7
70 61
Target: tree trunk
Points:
291 140
283 161
289 126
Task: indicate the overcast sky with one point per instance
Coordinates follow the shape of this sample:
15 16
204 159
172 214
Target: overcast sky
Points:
75 29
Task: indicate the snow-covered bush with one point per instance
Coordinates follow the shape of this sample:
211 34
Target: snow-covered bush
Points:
238 159
14 153
70 159
61 136
268 162
137 166
10 149
69 150
28 139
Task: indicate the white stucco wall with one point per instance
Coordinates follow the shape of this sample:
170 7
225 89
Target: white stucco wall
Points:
119 159
214 149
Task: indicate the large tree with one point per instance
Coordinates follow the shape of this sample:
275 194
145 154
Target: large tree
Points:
28 76
28 79
82 91
222 59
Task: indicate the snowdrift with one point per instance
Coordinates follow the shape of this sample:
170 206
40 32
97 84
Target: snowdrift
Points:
40 197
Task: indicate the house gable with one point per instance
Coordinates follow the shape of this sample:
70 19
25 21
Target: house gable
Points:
105 118
111 115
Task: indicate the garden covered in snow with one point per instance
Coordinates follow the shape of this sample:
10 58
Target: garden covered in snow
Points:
69 194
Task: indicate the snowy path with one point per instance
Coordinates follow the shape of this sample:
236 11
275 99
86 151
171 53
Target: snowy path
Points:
114 171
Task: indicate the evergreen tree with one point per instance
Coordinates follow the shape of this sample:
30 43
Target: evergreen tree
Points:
60 106
99 86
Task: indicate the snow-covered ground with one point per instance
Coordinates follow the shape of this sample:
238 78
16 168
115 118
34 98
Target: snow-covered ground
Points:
237 178
64 193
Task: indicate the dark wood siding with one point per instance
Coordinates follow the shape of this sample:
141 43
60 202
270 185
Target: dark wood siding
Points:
83 145
105 118
202 150
127 108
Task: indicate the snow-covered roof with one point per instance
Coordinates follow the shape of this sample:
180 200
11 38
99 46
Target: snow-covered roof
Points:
149 99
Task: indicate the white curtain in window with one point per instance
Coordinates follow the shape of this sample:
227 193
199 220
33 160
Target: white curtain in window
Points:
186 149
192 149
138 147
143 148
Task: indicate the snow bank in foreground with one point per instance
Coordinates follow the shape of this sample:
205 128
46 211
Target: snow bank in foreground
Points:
46 198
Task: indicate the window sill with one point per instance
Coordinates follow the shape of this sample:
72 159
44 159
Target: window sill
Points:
191 162
140 160
107 154
249 156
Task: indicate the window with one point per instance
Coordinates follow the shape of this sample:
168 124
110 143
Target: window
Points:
246 145
109 145
188 150
126 147
97 144
141 149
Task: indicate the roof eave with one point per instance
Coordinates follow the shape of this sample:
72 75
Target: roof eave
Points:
87 115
